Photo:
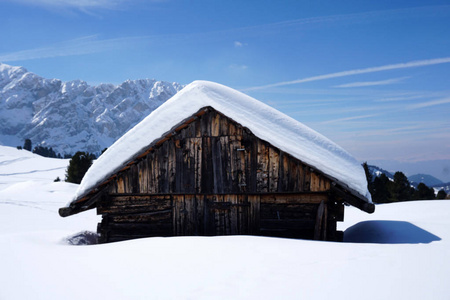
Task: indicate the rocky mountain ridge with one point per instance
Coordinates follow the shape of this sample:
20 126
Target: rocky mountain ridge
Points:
71 116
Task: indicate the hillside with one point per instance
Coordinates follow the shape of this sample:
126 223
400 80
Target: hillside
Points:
399 252
71 116
424 178
443 186
377 171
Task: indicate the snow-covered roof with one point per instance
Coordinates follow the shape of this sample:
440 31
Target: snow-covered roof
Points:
265 122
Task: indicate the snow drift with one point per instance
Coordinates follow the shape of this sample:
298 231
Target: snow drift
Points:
36 264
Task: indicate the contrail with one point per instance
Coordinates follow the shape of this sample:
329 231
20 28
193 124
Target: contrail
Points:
411 64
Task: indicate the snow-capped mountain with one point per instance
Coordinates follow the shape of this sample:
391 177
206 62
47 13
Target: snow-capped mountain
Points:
443 186
377 171
71 116
424 178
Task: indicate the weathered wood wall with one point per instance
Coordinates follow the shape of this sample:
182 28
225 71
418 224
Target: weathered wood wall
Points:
215 155
284 215
214 177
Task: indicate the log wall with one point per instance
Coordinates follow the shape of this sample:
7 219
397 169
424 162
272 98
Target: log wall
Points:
215 155
214 177
284 215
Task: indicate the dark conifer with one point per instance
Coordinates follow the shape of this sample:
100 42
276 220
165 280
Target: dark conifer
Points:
78 166
27 145
401 189
381 189
423 192
441 194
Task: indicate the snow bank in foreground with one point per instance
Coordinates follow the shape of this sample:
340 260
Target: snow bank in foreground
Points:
264 121
35 264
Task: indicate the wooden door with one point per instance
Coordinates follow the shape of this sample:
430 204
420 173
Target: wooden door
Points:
227 215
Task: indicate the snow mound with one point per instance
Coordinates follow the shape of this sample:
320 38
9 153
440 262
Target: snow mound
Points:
264 121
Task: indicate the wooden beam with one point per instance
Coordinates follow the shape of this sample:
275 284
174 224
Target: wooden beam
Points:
319 221
353 200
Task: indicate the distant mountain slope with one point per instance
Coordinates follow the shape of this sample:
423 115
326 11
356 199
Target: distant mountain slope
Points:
73 115
428 180
443 186
377 171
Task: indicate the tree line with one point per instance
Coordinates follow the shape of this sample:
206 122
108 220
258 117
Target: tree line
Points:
385 190
42 151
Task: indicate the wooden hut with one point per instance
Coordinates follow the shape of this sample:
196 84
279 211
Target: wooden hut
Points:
212 161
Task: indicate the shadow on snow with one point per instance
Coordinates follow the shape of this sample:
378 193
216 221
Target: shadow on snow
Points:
388 232
82 238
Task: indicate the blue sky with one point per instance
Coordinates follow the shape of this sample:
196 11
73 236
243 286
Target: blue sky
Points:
373 76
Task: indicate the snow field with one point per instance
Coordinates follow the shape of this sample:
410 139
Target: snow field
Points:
36 263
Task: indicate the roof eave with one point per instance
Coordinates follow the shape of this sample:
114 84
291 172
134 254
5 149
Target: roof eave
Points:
353 198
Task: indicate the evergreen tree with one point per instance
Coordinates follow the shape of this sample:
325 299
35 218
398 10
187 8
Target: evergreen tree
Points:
423 192
441 194
78 166
381 189
27 145
401 189
44 151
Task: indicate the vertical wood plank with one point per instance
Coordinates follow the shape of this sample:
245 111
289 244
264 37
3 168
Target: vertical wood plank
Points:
283 185
224 125
216 150
207 180
206 124
274 168
215 124
254 214
155 172
226 146
306 179
197 155
200 211
178 206
171 166
319 221
189 214
263 165
252 162
315 182
241 153
120 184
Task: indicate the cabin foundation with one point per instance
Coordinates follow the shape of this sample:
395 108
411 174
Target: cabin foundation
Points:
305 216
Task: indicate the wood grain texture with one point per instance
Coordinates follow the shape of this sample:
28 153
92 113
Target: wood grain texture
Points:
211 176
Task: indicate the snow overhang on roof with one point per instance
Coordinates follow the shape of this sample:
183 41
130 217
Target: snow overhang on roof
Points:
265 122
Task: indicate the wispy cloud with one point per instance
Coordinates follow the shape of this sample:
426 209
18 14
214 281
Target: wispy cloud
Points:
84 45
349 118
238 67
411 64
369 16
80 4
371 83
238 44
430 103
402 98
